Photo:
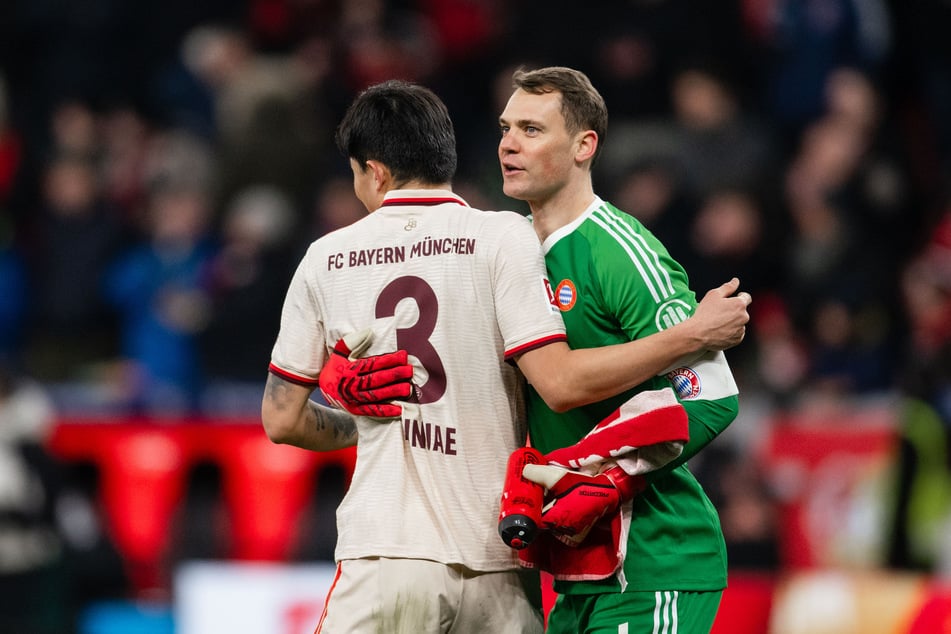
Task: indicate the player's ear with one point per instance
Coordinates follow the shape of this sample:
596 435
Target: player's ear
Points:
382 177
587 144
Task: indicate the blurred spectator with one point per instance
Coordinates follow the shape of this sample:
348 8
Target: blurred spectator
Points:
782 353
728 237
823 238
922 505
34 589
926 286
161 290
11 151
74 130
94 567
13 300
75 234
266 126
71 53
464 29
747 507
803 41
335 207
180 97
846 200
383 41
851 352
718 143
248 279
283 25
879 187
707 145
126 140
639 44
176 158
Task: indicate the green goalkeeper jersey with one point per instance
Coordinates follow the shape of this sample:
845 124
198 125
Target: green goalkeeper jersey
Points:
615 282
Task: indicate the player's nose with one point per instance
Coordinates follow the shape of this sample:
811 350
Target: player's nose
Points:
508 144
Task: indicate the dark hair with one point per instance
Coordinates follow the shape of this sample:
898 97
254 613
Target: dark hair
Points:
582 105
404 126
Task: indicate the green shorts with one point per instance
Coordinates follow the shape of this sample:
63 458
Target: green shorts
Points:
664 612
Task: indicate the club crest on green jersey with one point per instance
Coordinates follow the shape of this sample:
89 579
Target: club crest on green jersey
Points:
685 382
565 295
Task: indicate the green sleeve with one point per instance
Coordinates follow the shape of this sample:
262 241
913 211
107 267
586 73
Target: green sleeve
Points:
706 420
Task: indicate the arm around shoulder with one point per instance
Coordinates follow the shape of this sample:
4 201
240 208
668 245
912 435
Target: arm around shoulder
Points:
567 378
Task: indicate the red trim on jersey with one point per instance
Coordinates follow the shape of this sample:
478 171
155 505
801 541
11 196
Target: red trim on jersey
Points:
323 614
422 201
531 345
292 378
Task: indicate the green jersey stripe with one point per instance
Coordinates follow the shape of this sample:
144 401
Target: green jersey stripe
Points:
659 282
658 269
637 261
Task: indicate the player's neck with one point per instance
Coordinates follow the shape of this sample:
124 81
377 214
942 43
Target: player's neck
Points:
564 207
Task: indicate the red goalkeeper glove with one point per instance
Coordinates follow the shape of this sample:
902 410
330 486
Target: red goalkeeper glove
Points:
576 501
365 386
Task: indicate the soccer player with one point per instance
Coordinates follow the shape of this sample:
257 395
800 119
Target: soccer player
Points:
614 281
463 291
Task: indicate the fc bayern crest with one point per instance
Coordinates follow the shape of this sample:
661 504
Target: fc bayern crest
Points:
686 383
566 294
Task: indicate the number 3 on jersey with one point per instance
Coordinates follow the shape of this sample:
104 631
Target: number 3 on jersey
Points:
415 339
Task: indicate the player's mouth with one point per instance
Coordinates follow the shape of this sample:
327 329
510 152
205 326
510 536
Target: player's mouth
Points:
508 169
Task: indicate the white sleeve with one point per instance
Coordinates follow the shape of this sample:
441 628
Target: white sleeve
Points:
300 349
525 307
707 377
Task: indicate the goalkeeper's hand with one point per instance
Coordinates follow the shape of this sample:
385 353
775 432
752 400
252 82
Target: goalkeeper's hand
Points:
365 386
576 501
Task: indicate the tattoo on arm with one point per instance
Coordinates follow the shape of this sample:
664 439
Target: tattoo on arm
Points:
338 423
334 427
275 391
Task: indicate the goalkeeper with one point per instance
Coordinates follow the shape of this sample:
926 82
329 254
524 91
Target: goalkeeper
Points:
615 282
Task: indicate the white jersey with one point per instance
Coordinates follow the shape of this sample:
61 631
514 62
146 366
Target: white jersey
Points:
462 291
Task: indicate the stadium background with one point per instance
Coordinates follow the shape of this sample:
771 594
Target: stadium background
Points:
163 164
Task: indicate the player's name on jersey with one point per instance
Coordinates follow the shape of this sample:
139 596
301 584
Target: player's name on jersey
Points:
430 436
427 247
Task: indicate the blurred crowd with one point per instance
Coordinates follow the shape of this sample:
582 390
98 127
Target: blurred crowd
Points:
163 167
164 164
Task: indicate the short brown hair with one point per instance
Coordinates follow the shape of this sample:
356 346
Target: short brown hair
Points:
582 105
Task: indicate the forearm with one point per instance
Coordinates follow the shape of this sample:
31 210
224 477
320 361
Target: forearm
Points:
584 376
596 374
567 378
290 417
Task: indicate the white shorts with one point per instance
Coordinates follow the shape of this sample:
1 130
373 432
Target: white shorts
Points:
416 596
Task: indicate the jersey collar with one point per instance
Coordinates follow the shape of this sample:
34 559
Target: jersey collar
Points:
561 232
417 197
